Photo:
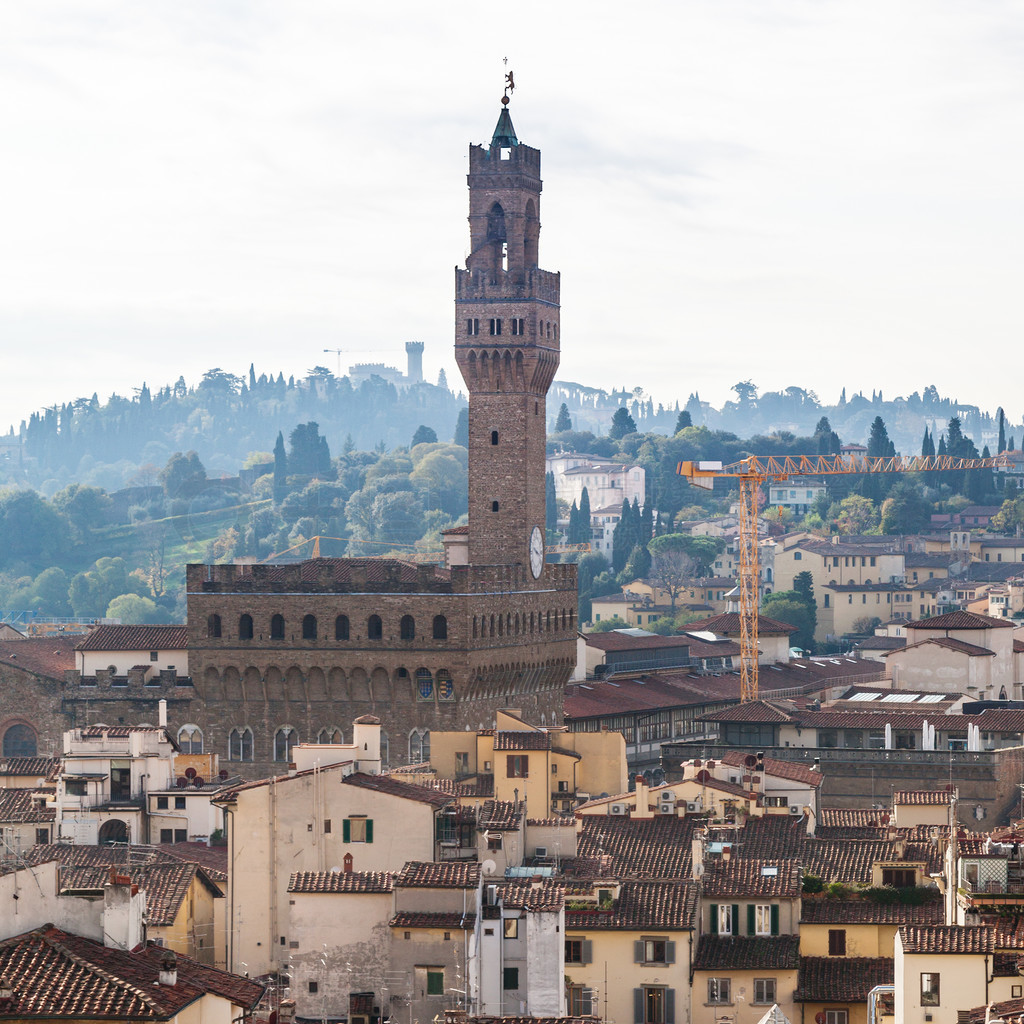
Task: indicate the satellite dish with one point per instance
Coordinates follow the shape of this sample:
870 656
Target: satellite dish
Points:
190 773
182 782
222 774
703 776
489 867
750 761
198 782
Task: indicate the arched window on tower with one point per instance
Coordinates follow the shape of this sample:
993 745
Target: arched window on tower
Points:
341 627
240 744
309 627
245 627
20 741
277 627
407 628
330 735
374 628
213 626
190 739
441 627
284 739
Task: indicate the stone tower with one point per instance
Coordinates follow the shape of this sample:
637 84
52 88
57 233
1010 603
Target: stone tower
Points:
414 355
506 345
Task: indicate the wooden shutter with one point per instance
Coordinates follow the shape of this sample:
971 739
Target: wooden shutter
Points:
714 906
587 956
638 1005
346 831
735 919
638 952
751 919
369 830
775 919
670 1006
670 952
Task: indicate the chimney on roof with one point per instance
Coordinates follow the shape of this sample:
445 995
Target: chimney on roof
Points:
169 969
162 712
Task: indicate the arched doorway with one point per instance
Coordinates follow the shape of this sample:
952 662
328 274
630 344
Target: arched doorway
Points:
113 831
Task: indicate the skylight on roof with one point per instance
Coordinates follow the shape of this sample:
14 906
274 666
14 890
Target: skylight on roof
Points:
931 698
899 698
769 871
864 696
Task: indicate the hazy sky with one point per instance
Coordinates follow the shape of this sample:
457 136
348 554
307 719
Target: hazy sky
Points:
813 193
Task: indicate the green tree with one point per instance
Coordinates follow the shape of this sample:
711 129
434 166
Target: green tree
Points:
92 591
86 508
826 439
1002 431
584 527
550 503
50 592
134 610
803 586
183 476
441 477
638 565
853 515
906 510
424 435
788 606
624 537
683 421
308 453
564 421
31 530
1010 517
622 424
607 625
462 428
280 470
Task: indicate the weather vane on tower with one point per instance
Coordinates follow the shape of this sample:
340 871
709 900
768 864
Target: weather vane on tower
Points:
510 83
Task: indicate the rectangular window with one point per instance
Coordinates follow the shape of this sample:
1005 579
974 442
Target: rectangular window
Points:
899 878
42 836
154 656
518 326
161 803
837 942
511 927
181 835
167 835
495 327
510 978
314 987
472 327
518 766
929 990
327 826
357 830
719 990
763 919
579 1001
764 990
435 983
462 761
578 951
725 919
837 1017
179 803
655 951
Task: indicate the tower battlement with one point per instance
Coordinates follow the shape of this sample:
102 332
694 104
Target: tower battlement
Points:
533 284
495 159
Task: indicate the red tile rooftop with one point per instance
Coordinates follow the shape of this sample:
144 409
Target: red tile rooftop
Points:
134 638
49 657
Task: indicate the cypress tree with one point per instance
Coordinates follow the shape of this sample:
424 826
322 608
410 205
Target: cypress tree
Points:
280 470
551 504
583 526
1002 432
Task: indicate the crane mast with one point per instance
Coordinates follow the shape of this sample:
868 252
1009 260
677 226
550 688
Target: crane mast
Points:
756 470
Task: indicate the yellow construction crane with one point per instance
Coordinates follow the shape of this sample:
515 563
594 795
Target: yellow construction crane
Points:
756 470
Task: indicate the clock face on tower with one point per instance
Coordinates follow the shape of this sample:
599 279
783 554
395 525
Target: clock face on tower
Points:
536 552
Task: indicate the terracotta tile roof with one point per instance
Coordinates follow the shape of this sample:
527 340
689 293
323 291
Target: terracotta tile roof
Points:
730 623
922 797
565 822
841 979
395 787
950 644
433 919
825 911
664 904
341 881
212 859
500 815
18 807
524 894
614 640
57 975
1010 1010
456 530
754 711
947 938
849 817
960 620
134 638
795 771
49 657
525 740
850 861
439 875
478 786
742 952
31 767
642 848
166 884
752 877
119 732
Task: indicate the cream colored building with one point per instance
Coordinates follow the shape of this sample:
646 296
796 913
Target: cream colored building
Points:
119 650
940 969
315 821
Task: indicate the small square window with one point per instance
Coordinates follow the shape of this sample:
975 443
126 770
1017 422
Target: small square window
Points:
154 655
314 987
511 927
161 803
179 803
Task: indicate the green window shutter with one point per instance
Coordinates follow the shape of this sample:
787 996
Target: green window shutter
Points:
735 919
638 1005
714 906
638 952
346 831
775 919
369 830
751 922
588 951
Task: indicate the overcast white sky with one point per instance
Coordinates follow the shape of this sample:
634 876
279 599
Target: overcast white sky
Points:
811 193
